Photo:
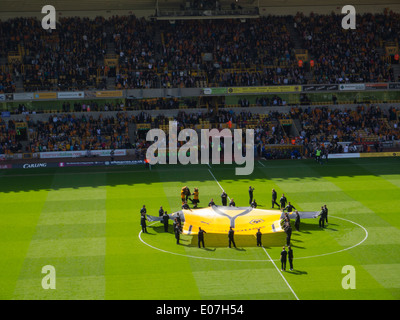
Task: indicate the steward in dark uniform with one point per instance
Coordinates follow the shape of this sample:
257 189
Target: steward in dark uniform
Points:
253 204
231 234
283 259
326 213
289 207
177 230
178 220
224 198
297 221
201 237
165 221
251 194
290 257
322 217
211 203
143 219
143 222
258 236
274 197
288 231
283 201
232 203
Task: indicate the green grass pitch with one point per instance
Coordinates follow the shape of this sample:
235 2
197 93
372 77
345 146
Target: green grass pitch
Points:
86 223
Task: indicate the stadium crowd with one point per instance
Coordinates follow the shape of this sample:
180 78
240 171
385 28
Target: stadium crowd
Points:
367 127
222 52
344 56
68 132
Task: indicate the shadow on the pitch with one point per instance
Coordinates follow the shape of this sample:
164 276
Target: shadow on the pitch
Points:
297 272
241 241
159 228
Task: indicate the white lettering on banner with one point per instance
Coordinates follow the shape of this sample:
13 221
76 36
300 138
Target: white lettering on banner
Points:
34 165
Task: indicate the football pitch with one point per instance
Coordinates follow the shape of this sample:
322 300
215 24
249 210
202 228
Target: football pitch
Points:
85 222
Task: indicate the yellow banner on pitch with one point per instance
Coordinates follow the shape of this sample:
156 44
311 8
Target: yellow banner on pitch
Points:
244 221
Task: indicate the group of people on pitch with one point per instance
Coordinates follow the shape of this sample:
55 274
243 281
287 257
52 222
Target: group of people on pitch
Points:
285 223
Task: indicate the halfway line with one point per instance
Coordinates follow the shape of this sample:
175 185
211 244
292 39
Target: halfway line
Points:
270 259
217 182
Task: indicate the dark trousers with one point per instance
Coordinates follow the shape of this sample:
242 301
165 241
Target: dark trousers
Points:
321 222
283 264
297 226
200 241
166 227
232 241
275 203
144 229
259 243
288 236
291 263
177 238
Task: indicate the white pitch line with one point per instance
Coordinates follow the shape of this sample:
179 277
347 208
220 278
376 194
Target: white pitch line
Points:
217 182
284 279
261 163
263 260
269 257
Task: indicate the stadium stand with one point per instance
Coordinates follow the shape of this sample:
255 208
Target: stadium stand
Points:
367 127
128 52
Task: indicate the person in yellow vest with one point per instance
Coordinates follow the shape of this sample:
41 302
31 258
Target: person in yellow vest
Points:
195 200
318 155
183 195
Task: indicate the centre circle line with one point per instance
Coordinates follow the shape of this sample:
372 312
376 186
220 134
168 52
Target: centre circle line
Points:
263 260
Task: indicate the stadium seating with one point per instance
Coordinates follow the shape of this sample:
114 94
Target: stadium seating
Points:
140 53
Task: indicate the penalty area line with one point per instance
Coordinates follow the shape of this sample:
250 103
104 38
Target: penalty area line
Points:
284 279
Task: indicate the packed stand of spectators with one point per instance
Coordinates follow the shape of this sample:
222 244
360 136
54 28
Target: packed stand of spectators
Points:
68 132
348 56
68 55
322 125
196 53
6 83
318 126
216 46
8 139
